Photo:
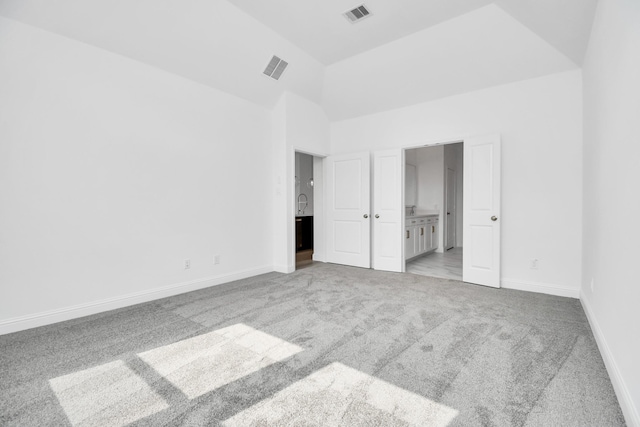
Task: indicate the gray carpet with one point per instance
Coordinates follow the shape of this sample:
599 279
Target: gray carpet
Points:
325 346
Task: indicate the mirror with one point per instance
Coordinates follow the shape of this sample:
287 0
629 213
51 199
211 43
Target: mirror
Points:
302 203
410 185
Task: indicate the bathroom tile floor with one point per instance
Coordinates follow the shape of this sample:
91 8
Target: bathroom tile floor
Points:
447 265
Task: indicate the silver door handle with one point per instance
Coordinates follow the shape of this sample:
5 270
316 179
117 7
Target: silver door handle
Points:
377 216
365 216
494 218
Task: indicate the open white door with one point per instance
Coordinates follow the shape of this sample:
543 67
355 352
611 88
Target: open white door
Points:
348 204
387 210
481 222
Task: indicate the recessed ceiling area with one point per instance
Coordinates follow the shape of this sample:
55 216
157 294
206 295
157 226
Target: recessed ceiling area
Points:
323 32
483 48
320 29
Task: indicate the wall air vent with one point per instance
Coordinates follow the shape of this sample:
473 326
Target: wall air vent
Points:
357 14
275 68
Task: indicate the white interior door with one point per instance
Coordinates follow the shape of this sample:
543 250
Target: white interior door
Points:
481 221
387 210
347 207
450 206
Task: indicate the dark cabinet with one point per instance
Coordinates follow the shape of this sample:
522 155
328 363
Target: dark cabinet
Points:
304 233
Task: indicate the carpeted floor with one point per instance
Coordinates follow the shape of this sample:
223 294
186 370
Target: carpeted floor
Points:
324 346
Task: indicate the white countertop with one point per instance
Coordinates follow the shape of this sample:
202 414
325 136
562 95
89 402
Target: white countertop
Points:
421 214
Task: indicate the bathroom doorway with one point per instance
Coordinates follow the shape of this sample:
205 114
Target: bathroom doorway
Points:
306 167
434 210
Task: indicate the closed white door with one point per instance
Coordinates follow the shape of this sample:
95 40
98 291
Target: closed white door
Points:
450 206
348 204
387 210
481 222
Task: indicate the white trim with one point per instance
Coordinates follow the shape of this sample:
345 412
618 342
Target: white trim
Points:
53 316
627 405
541 288
286 269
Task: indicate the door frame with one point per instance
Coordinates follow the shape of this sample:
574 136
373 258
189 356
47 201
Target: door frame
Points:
318 206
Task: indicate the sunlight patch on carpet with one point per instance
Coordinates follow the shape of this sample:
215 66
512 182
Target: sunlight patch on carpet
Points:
106 395
206 362
338 395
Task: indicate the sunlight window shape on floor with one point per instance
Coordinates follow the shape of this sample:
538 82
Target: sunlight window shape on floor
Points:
106 395
206 362
339 395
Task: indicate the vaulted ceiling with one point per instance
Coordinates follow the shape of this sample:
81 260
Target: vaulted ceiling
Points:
408 51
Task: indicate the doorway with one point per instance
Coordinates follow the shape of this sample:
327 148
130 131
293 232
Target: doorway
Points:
369 225
434 210
305 205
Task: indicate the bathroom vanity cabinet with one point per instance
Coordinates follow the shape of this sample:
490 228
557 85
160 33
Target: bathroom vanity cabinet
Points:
421 235
304 233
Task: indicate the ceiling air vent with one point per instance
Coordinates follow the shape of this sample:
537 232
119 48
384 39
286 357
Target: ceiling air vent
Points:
275 67
357 14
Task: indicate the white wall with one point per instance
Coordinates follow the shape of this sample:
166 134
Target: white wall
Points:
410 156
430 177
112 173
300 125
430 162
283 233
611 186
541 125
453 159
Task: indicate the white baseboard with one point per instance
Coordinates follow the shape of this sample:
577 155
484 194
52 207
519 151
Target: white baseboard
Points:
541 288
627 405
67 313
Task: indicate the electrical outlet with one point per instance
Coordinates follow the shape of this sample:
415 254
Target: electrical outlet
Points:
187 264
216 259
592 285
534 264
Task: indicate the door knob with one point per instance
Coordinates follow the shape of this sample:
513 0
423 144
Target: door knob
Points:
365 216
377 216
494 218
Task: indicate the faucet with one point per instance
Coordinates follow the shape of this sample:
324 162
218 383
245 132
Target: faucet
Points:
412 212
302 202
